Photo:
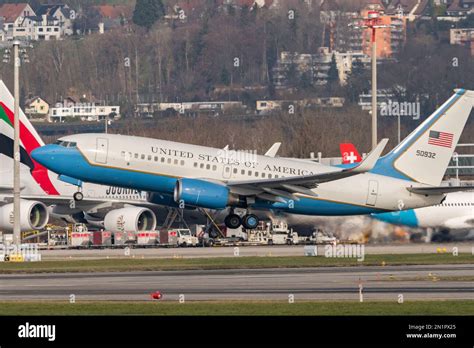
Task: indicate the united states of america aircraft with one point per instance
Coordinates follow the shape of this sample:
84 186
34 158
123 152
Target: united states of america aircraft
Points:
42 194
408 177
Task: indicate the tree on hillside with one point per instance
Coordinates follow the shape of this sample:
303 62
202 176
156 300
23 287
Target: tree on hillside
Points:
147 12
333 74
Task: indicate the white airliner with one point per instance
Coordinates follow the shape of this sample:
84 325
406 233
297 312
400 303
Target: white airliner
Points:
408 177
43 194
455 213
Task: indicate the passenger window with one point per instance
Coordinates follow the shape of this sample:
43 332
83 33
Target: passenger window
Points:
176 161
263 175
169 160
269 176
214 167
182 162
195 164
156 158
242 172
149 157
227 169
136 155
249 173
143 156
235 170
256 174
162 160
208 166
201 165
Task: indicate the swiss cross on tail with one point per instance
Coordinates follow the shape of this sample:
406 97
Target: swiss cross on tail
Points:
349 153
440 139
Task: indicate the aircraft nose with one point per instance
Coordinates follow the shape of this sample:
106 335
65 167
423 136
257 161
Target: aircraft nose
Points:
44 155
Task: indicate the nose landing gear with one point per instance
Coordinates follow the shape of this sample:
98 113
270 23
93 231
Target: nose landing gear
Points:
78 196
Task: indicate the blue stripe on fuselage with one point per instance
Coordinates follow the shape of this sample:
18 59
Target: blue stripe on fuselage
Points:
404 217
310 206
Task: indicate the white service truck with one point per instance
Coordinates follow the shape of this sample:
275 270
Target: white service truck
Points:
184 237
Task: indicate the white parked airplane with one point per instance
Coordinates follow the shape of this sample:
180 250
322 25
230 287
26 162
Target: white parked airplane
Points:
43 194
455 213
408 177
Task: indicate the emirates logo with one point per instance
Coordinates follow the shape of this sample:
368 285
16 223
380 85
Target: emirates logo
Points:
120 223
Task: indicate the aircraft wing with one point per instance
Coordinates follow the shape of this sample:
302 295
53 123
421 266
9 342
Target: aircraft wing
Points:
85 204
7 188
439 190
271 189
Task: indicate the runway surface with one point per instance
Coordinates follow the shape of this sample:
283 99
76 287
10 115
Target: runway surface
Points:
245 251
322 283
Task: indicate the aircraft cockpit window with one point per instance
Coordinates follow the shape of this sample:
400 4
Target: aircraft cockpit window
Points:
65 143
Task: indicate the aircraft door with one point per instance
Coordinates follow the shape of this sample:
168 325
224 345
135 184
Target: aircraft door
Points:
372 193
102 150
227 171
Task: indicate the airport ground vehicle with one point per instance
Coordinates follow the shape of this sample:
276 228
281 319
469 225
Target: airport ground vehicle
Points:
281 234
185 238
177 237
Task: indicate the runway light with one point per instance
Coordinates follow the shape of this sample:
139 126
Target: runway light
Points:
157 295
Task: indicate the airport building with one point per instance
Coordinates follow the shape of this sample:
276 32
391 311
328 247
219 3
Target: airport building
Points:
71 109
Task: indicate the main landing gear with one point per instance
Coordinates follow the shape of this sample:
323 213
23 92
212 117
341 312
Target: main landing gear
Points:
248 221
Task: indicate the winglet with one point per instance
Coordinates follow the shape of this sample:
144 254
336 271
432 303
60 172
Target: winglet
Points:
369 162
273 150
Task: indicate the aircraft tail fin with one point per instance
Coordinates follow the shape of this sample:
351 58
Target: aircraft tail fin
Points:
29 140
424 155
349 153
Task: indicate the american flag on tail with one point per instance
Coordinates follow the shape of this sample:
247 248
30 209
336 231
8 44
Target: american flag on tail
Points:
440 139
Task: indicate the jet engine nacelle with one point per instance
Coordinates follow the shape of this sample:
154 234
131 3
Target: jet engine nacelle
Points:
204 194
130 219
33 216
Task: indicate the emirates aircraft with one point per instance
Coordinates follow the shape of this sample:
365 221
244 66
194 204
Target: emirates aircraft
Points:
408 177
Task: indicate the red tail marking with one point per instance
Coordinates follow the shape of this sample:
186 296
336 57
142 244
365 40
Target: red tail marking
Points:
349 153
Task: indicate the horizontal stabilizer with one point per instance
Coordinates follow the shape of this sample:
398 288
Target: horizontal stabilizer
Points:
369 162
439 190
273 150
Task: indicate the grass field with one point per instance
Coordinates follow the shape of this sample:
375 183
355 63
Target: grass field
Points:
133 264
239 308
